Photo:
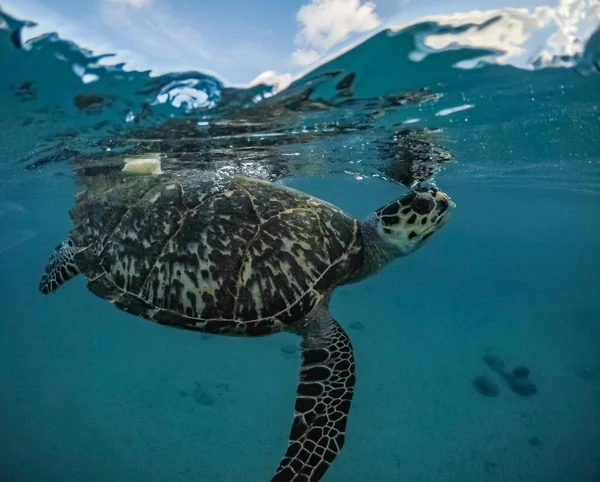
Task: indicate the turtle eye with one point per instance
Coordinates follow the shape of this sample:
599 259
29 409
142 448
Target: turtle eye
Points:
422 205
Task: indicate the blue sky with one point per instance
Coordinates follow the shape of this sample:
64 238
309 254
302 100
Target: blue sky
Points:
233 39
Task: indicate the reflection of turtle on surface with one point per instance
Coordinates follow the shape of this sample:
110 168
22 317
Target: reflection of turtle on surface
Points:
412 155
242 256
261 139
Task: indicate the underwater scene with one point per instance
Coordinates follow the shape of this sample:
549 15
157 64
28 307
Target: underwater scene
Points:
383 268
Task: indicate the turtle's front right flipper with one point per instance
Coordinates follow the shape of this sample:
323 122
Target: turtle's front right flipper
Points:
60 268
323 401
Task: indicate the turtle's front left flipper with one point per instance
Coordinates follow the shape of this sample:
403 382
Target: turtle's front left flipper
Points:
60 268
323 401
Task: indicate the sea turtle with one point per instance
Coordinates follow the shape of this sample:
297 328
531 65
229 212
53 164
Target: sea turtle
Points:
243 256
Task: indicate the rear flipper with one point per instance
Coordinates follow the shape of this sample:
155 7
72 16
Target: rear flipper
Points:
60 268
324 396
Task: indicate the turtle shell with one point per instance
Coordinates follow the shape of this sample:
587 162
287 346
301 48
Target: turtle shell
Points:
242 256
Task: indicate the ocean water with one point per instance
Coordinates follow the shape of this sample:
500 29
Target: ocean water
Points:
90 393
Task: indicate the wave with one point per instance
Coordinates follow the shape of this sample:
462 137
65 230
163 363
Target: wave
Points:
383 107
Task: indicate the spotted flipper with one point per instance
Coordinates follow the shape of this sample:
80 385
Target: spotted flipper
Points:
323 401
60 268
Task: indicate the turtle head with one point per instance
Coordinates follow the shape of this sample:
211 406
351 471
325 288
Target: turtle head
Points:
405 223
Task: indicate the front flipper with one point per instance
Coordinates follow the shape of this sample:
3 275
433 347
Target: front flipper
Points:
60 268
323 402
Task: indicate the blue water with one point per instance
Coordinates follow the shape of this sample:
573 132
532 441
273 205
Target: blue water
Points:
89 393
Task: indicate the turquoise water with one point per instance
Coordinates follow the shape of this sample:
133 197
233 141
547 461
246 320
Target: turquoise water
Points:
90 393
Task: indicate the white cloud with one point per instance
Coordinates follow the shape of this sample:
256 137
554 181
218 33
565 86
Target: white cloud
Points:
325 23
305 57
270 77
135 3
